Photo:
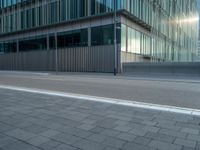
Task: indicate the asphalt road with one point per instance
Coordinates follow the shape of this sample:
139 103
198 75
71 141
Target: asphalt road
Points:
174 91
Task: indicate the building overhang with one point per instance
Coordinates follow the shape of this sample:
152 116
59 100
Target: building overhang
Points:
83 20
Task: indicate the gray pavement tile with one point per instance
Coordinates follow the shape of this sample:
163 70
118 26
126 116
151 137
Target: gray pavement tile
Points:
114 142
149 123
168 125
20 134
164 146
142 140
107 123
53 125
49 145
6 140
122 123
49 133
193 137
89 121
198 146
97 138
38 140
188 148
23 124
151 129
86 127
190 131
66 138
65 147
97 130
173 133
138 132
123 128
80 132
36 129
110 132
184 142
134 146
188 125
126 137
88 145
111 148
5 127
20 146
160 137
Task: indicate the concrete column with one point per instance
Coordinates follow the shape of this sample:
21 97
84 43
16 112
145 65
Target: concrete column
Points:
47 41
89 37
89 7
17 46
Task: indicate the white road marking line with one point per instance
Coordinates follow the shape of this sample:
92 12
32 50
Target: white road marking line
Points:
129 103
25 73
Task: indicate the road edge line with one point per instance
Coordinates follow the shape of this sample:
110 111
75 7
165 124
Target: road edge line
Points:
151 106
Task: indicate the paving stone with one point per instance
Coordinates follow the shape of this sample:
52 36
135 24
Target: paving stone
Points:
126 137
164 146
86 127
49 133
123 128
5 127
168 125
134 146
138 132
194 137
97 130
107 123
173 133
97 138
36 129
188 148
80 133
20 146
149 123
110 132
111 148
88 145
198 146
184 142
6 140
21 134
38 140
65 147
160 137
142 140
190 131
113 142
49 145
66 138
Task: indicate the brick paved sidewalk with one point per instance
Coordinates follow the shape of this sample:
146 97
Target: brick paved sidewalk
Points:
39 122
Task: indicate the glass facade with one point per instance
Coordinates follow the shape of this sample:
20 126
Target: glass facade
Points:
172 35
174 28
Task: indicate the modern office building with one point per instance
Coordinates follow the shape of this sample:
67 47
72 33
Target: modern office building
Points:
79 35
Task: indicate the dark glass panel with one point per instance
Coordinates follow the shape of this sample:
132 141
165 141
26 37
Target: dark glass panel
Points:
9 47
102 35
38 43
52 44
73 38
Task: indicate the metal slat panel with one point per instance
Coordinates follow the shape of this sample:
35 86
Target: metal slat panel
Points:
87 59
